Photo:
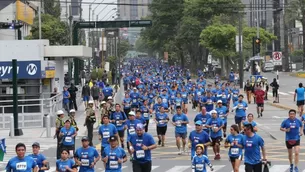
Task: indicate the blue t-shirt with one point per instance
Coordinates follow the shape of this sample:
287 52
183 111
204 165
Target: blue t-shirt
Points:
161 119
113 156
199 138
131 127
204 119
67 139
128 103
118 116
234 150
252 146
222 112
140 155
107 91
61 165
86 157
157 106
215 122
39 158
294 126
300 93
180 128
199 163
240 111
145 112
134 98
209 103
106 131
21 165
252 123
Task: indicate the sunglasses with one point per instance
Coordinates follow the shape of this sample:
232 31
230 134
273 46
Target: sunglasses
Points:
197 125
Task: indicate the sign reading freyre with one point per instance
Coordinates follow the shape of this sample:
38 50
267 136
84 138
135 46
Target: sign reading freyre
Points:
25 70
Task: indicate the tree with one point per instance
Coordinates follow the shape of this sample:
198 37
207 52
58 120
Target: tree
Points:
52 8
56 31
220 40
123 47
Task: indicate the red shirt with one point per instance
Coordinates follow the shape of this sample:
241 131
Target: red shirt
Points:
259 96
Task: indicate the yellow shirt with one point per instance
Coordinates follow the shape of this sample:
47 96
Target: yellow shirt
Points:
90 84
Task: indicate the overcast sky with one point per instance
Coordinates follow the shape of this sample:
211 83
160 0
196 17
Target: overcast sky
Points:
100 9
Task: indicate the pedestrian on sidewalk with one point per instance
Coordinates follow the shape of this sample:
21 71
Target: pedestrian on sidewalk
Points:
90 120
73 90
248 91
59 124
275 88
86 94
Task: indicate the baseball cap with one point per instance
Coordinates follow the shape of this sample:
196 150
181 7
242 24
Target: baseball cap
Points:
198 122
139 127
60 112
36 144
219 101
85 138
103 102
113 138
109 98
213 111
72 110
131 113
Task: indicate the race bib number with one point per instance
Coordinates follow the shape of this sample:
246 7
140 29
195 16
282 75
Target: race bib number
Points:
106 134
134 100
85 162
132 131
161 122
234 151
113 164
240 106
199 167
140 154
173 96
68 139
222 116
164 100
21 166
118 123
198 93
178 123
184 95
234 95
178 103
224 96
146 115
292 126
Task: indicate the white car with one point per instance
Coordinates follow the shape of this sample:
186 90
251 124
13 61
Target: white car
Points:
268 67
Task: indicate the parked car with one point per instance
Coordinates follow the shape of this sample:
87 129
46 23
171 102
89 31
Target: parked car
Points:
268 67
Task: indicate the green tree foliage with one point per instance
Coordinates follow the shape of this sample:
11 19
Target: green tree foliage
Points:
53 8
56 31
100 72
94 75
123 47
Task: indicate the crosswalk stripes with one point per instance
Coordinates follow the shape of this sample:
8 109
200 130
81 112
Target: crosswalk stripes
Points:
282 93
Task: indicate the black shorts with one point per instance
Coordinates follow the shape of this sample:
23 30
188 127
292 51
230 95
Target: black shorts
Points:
105 98
181 135
292 144
121 133
239 119
161 130
96 98
128 146
260 104
300 103
134 106
232 159
216 140
102 150
225 125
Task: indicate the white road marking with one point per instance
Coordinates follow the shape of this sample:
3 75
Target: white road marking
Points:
216 168
277 168
154 167
282 93
291 92
178 168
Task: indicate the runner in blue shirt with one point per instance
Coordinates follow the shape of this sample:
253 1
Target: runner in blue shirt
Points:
86 156
180 122
39 158
114 156
118 118
215 124
141 145
223 112
105 131
161 120
145 112
293 128
249 120
208 101
240 108
300 95
65 164
234 141
252 144
127 103
21 163
130 125
198 136
203 117
200 160
68 134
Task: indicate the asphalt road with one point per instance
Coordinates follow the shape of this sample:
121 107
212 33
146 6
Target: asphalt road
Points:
166 159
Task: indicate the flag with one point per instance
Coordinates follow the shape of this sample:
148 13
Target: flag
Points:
3 145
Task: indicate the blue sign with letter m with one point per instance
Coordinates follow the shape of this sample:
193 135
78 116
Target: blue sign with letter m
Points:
25 70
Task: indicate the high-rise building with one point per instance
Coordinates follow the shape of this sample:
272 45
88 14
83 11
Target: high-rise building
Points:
132 12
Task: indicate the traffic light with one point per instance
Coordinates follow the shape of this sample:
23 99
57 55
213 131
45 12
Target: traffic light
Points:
257 45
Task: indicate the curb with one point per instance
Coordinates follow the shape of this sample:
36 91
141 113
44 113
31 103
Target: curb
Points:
281 106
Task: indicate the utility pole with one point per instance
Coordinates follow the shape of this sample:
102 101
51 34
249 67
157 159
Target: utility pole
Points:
277 25
285 59
241 59
39 18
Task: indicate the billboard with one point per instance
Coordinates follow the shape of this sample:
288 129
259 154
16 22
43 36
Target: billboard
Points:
24 13
25 70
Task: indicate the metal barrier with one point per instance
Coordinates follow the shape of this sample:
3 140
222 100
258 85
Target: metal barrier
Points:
33 113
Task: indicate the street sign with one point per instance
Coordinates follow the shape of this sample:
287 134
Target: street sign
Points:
277 58
256 78
25 70
209 59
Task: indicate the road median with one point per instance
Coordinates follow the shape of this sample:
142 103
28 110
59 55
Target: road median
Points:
281 106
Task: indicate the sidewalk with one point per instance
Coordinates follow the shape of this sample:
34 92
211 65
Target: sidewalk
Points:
284 104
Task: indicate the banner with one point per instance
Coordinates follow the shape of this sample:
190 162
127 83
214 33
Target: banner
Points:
25 70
